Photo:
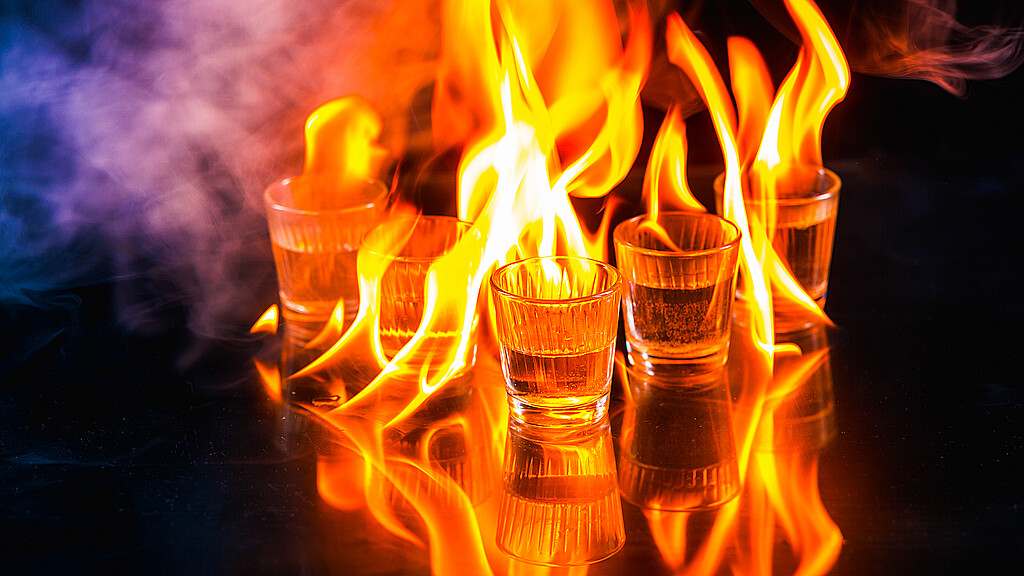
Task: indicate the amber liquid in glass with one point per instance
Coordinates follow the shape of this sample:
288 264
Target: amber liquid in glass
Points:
807 247
668 323
311 281
558 382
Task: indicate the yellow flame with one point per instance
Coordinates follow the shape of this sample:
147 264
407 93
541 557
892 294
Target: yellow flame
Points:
752 87
341 143
665 178
267 322
686 51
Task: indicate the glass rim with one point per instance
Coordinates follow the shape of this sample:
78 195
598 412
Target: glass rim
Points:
831 190
464 225
618 235
272 204
613 273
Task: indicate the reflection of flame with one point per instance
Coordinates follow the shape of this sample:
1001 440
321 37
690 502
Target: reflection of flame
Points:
811 87
544 107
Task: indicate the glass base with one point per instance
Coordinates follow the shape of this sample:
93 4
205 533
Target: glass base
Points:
565 415
672 369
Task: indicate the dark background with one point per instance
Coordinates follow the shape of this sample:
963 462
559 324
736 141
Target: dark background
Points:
156 451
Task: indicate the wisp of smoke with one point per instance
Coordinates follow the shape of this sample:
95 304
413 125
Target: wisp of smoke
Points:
136 138
924 39
927 41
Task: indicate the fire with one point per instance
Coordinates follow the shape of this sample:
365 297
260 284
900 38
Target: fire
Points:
792 137
341 142
773 485
665 178
544 109
543 104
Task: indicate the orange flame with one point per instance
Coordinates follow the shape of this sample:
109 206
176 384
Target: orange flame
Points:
267 322
543 101
792 129
817 82
752 87
545 105
753 340
665 178
269 374
686 51
341 141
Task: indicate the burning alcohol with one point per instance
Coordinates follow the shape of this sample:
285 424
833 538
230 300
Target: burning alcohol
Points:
805 229
544 107
800 209
407 248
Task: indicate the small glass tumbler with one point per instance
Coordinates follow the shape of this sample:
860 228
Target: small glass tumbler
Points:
315 250
807 202
560 505
557 319
678 296
409 247
678 448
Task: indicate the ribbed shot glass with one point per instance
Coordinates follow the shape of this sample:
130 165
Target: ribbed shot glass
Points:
408 247
556 320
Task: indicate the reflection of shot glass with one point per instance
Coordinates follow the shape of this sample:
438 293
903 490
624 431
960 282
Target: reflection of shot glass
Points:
556 320
408 247
678 296
807 202
315 250
560 505
678 450
443 436
805 418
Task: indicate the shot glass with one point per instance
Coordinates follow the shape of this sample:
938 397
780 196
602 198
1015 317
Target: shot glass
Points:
409 247
556 320
560 505
807 201
680 276
315 250
678 448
